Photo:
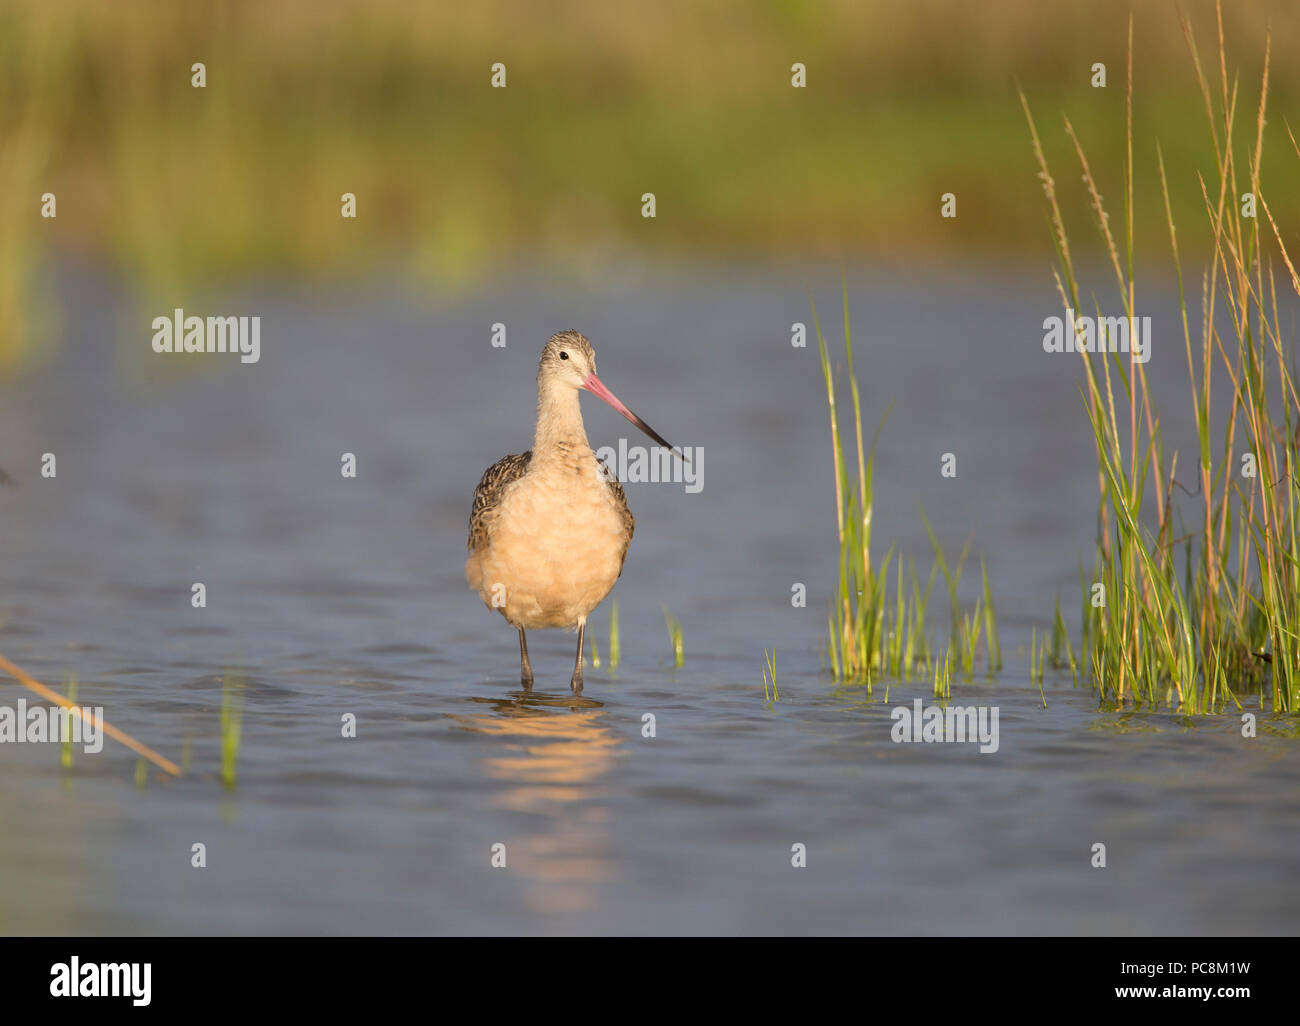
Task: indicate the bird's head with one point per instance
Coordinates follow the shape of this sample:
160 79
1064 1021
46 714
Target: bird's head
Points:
568 360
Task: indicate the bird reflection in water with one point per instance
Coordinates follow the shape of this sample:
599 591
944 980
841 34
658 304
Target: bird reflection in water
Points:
555 752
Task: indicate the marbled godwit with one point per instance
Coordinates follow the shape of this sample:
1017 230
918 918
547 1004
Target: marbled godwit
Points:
550 527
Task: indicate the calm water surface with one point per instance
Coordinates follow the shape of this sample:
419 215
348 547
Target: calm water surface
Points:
346 596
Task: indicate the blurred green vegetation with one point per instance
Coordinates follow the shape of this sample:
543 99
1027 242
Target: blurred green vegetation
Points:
176 186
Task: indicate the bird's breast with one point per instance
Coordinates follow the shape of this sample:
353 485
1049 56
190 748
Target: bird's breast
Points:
557 544
564 499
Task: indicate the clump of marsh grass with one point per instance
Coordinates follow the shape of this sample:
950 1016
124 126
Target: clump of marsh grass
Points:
613 636
943 677
613 642
1038 663
66 754
991 622
769 670
1225 619
872 633
1062 652
674 626
232 717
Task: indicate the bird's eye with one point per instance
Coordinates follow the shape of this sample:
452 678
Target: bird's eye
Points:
564 356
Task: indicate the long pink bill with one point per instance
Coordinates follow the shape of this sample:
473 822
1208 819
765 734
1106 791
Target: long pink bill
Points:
594 385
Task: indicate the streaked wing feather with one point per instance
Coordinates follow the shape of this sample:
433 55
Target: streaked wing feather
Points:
620 498
487 496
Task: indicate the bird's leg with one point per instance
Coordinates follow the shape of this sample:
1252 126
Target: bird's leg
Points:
525 667
576 683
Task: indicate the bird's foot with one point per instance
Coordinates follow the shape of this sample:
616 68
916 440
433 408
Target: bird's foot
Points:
576 684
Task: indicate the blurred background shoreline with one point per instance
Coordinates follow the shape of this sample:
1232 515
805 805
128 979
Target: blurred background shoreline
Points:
180 190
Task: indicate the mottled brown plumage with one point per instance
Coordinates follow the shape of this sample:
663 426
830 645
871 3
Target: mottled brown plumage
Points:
620 498
487 496
550 528
509 469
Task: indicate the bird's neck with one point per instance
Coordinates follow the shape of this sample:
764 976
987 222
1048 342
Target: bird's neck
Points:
559 423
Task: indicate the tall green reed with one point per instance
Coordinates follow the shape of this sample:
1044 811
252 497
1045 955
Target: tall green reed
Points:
674 627
877 626
232 718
